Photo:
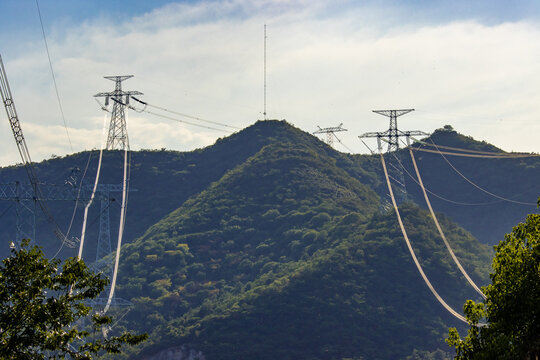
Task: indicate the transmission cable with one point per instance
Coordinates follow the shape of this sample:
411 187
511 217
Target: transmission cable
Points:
345 146
182 114
411 251
183 121
471 282
76 204
123 210
473 153
507 156
6 210
463 150
53 76
437 195
477 186
96 182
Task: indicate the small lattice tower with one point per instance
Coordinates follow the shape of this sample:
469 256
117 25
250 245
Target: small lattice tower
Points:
329 131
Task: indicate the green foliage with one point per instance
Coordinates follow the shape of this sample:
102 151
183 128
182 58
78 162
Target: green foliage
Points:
40 304
293 291
269 244
429 355
512 305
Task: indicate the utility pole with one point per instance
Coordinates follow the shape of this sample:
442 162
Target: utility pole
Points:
118 135
391 136
329 131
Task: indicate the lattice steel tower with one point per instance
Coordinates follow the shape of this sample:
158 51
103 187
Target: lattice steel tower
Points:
118 135
329 131
391 136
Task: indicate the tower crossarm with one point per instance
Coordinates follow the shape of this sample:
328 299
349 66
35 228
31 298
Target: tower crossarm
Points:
414 133
373 134
393 113
330 129
118 77
118 93
118 87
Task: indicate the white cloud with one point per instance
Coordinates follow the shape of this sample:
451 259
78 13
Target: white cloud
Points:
324 68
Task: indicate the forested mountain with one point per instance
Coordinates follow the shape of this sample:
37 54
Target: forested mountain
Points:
472 190
270 244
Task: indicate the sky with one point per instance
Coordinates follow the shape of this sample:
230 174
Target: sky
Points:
470 64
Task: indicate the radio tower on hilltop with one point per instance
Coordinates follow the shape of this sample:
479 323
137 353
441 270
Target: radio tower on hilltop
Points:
118 135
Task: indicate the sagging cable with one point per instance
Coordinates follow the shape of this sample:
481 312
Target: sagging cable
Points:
456 261
413 255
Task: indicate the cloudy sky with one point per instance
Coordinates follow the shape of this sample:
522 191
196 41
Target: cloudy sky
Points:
472 64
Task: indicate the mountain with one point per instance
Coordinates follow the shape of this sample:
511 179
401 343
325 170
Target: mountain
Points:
270 244
161 181
472 191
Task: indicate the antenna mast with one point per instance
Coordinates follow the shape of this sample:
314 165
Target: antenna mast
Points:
264 111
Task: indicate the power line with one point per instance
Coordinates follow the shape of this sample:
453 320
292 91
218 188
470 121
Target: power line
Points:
505 156
456 261
479 187
439 196
76 204
53 76
6 210
463 176
463 150
345 146
181 114
411 250
185 122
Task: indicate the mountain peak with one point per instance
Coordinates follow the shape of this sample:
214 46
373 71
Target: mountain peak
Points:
447 136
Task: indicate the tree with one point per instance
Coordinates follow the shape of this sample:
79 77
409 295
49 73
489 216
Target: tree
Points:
512 305
39 306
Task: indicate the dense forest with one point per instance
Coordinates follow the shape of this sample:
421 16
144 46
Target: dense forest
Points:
271 244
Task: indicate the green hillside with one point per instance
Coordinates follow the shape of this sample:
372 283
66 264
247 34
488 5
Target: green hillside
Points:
272 245
286 256
358 291
162 180
474 198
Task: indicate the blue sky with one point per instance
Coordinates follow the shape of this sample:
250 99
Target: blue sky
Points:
70 12
472 64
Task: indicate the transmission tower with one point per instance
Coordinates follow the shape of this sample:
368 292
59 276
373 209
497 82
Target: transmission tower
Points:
25 208
329 131
118 135
391 136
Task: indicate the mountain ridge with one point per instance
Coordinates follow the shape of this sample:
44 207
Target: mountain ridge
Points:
271 243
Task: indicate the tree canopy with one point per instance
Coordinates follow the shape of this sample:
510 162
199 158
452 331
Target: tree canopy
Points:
512 305
39 306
